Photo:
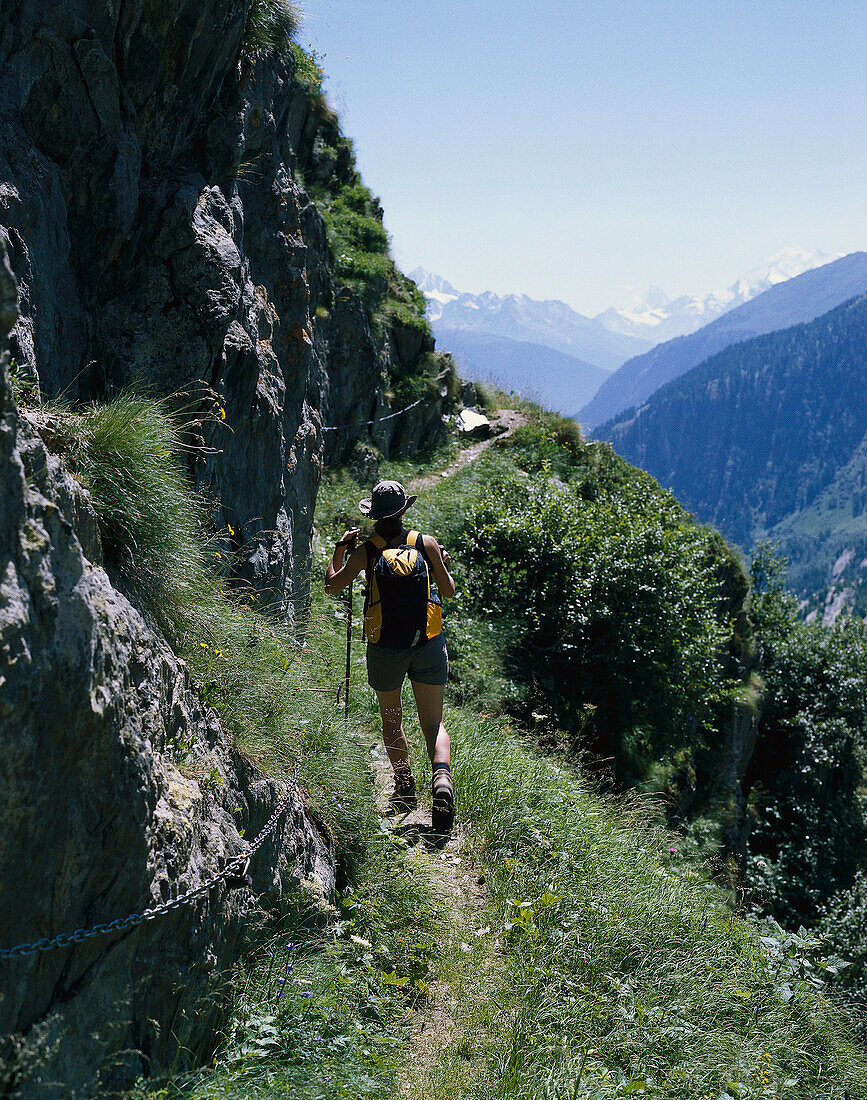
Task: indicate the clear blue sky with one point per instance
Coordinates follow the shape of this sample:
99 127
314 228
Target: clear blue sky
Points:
574 150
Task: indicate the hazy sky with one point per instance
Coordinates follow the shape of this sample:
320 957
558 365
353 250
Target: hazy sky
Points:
576 150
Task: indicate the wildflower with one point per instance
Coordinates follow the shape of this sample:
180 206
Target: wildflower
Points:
219 555
204 645
672 851
231 528
306 996
222 412
760 863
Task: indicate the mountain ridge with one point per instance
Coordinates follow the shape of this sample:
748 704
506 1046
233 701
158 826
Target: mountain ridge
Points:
658 318
551 323
763 440
551 377
796 301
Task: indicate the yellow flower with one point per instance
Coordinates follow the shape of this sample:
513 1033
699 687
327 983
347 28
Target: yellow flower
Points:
231 528
204 645
219 555
222 412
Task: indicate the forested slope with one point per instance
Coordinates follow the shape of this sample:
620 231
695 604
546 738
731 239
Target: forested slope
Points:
767 437
792 302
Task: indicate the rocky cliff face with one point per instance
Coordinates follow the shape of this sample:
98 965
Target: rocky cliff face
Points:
154 216
101 817
151 199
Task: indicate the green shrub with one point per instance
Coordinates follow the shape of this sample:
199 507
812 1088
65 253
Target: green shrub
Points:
308 69
809 836
618 609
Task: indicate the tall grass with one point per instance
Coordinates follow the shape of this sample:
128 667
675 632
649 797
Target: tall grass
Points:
270 27
126 455
632 973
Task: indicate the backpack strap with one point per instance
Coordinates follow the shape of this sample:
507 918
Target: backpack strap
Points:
374 547
416 540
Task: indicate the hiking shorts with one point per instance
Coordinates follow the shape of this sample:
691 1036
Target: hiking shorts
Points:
425 663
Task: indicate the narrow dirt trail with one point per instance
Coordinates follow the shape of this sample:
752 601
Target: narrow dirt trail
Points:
441 1025
504 424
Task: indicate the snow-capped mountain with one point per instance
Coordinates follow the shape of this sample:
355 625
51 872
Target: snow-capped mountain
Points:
657 318
551 324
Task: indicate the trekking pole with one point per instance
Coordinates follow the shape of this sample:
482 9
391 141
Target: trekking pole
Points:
348 650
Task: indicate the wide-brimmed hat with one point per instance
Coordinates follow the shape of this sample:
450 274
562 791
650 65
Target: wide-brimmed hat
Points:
387 499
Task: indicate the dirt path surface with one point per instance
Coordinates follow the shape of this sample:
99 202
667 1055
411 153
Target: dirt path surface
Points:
443 1028
440 1024
504 423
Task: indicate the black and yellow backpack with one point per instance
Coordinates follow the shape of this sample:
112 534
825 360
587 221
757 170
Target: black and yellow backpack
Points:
401 604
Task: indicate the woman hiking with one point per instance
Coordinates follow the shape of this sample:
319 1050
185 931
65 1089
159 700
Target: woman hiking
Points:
406 574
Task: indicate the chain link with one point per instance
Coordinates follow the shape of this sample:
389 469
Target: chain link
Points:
379 420
232 868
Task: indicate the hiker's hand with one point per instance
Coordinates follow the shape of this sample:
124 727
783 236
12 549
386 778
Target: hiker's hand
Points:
350 538
447 558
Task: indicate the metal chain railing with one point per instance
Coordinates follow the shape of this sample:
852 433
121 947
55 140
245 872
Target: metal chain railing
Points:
235 868
378 420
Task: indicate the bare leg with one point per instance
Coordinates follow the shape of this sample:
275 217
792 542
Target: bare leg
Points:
392 730
429 701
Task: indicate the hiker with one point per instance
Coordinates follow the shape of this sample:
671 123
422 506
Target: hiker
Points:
406 574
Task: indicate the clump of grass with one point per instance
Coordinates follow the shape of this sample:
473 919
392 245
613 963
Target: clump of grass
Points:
308 69
125 453
270 27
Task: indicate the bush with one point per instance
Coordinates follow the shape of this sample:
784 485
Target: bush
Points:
807 773
308 70
618 609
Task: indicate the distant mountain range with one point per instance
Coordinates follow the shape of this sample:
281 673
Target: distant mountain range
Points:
658 318
488 323
550 324
768 438
550 377
798 299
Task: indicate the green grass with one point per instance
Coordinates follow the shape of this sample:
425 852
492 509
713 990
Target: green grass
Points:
627 969
270 27
630 974
603 965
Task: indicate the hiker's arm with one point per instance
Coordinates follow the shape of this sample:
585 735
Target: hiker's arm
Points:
339 573
444 579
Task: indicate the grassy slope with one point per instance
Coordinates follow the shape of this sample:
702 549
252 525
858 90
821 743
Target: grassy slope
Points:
626 971
612 969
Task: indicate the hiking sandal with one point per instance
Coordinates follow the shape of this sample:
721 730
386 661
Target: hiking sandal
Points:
442 816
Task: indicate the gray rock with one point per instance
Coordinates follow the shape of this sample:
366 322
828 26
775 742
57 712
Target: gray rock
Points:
474 423
364 465
153 212
101 817
150 194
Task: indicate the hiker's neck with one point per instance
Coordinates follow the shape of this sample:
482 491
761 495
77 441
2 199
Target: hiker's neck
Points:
390 528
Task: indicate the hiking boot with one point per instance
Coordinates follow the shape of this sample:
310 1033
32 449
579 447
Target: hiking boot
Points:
404 797
442 816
